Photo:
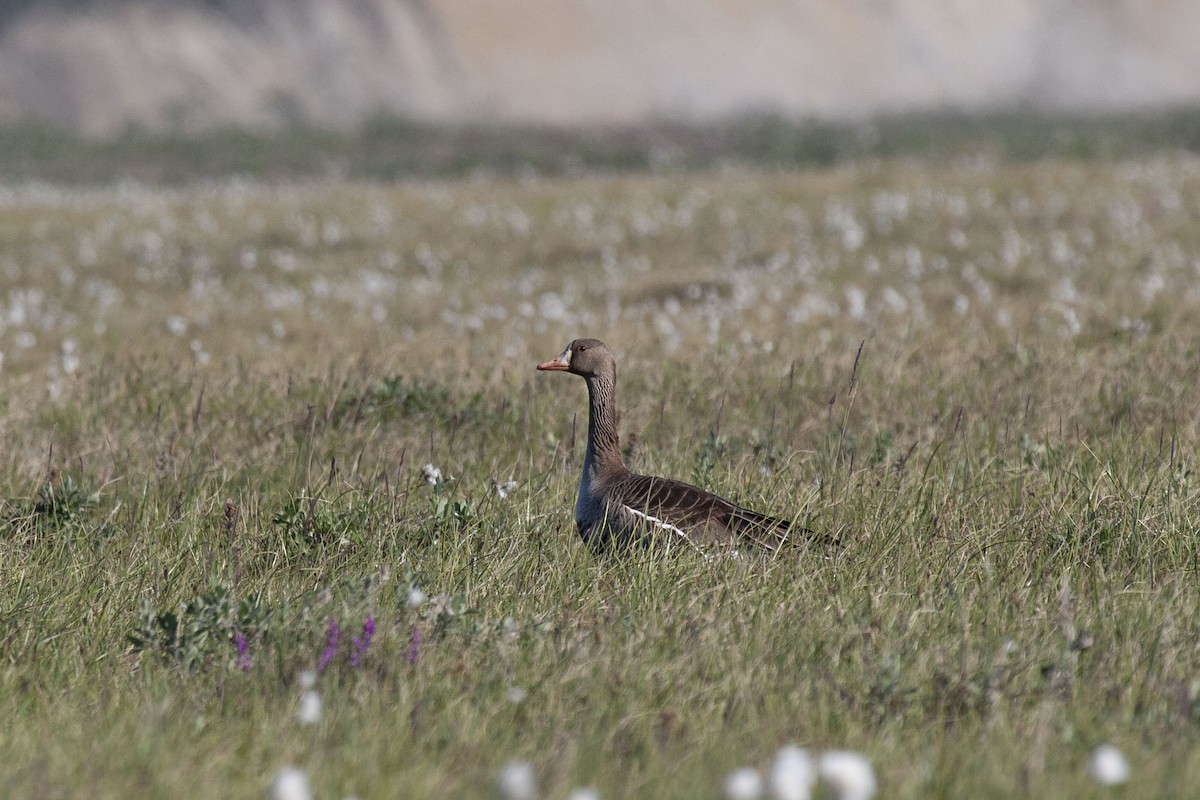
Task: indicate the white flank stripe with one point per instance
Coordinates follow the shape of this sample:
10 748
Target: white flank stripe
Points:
660 523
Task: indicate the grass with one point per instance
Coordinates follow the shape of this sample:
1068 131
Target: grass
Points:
217 401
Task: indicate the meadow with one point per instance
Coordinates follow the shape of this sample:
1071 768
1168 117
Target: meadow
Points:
217 402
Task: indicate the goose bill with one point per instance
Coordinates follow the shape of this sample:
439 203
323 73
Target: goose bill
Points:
561 364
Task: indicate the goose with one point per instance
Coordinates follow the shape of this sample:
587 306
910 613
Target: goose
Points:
617 507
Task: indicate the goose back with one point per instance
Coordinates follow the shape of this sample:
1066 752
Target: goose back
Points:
643 509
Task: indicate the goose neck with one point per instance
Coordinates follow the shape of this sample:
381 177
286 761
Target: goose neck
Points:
603 444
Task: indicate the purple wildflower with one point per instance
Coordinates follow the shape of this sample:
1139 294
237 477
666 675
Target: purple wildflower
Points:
333 635
243 650
414 649
363 643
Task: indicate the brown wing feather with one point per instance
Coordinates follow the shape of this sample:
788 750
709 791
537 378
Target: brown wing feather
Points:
694 510
675 502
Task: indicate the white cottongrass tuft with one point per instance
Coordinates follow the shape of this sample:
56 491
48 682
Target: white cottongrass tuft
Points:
70 356
849 775
792 774
584 793
517 781
744 783
416 597
290 783
307 678
516 695
309 712
1108 766
431 474
506 488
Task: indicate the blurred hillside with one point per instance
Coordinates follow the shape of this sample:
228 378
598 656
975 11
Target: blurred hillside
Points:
97 67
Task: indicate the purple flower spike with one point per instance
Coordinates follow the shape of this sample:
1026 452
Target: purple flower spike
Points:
333 635
363 643
414 649
243 650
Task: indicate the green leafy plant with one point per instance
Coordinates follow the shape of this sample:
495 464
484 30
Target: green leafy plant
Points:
311 523
61 505
204 627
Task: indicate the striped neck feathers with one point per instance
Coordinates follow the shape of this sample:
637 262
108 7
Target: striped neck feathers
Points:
604 443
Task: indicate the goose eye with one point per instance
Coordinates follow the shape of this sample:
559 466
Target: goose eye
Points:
582 347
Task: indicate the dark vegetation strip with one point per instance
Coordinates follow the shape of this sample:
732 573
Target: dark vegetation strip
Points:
390 148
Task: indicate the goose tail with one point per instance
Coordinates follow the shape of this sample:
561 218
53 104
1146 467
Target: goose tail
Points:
772 532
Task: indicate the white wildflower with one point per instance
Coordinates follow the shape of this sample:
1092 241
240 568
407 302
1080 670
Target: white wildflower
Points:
309 712
199 353
177 324
506 488
1108 766
744 783
331 233
792 774
416 597
70 356
516 695
856 302
517 781
848 774
290 783
431 474
584 793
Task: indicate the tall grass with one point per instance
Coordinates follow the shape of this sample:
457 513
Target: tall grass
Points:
217 403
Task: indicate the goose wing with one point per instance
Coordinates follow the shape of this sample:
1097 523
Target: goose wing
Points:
699 515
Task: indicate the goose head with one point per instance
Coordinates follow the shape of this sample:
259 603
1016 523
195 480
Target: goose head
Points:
585 357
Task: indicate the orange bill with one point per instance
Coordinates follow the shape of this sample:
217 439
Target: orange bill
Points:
562 363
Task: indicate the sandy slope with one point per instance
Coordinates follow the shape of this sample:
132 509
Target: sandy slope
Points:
575 61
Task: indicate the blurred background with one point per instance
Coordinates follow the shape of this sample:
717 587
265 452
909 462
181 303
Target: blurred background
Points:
653 81
98 66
